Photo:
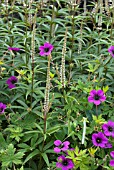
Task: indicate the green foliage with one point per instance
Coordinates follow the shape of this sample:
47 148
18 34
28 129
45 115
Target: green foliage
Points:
8 157
16 132
27 135
80 158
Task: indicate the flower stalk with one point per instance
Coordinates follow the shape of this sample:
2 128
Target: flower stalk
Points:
33 55
62 70
100 17
47 90
80 40
107 8
85 9
30 18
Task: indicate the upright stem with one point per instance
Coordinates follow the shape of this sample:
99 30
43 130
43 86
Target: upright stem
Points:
14 167
52 25
96 111
46 107
46 101
105 71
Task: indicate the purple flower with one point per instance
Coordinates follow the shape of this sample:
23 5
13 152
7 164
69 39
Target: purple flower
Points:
2 107
96 97
112 154
108 145
13 49
108 128
111 50
64 163
111 163
99 139
61 146
46 49
11 82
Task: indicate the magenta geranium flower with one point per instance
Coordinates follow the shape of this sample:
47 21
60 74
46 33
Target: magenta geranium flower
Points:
111 162
108 128
96 97
11 82
46 49
61 146
13 48
2 107
111 50
64 163
99 139
112 154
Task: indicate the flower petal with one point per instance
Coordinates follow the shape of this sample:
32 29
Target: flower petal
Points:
57 150
111 163
97 102
91 99
112 154
108 145
42 53
57 142
66 143
100 93
111 50
102 98
93 92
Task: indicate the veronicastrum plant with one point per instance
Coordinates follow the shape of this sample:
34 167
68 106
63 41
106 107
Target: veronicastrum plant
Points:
56 84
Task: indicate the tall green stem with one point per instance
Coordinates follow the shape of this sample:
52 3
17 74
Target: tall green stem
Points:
51 33
96 110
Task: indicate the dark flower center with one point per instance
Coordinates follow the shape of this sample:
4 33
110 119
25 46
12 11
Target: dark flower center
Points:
112 51
110 129
46 49
98 140
96 97
1 109
13 81
65 162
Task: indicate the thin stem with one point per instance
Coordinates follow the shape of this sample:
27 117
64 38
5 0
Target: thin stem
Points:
46 108
105 71
14 167
7 118
96 110
52 24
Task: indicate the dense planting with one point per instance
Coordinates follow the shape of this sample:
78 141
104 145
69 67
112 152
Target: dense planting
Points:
56 85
